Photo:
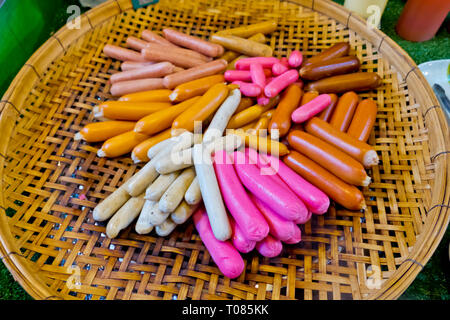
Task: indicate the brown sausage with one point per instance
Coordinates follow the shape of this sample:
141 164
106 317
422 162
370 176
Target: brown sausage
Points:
358 81
328 112
329 157
329 68
358 150
345 108
339 49
363 120
345 194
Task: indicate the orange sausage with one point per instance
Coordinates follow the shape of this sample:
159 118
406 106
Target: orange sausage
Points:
157 70
208 69
195 87
121 144
329 157
262 125
337 50
357 81
203 108
244 104
308 96
130 65
161 95
281 119
101 131
358 150
157 52
345 194
162 119
194 43
139 152
328 112
124 110
132 86
151 36
250 114
136 43
123 54
343 113
329 68
363 120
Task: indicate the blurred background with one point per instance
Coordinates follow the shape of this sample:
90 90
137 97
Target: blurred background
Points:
27 24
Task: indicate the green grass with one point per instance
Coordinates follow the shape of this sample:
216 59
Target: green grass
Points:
434 281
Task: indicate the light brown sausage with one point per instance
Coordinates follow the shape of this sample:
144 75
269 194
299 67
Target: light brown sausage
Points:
363 120
343 113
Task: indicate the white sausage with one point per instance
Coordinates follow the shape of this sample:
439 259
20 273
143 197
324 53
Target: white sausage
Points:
125 215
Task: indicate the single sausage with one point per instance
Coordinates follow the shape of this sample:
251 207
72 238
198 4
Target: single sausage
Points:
156 70
269 247
296 238
194 88
194 43
310 109
251 29
231 55
175 193
308 96
329 157
108 206
136 43
337 50
358 81
125 110
101 131
202 108
162 119
193 194
143 225
183 212
295 59
226 257
153 214
363 120
248 89
280 82
155 190
281 119
257 74
132 86
140 151
124 216
329 68
156 52
246 116
178 50
245 46
328 112
151 36
130 65
239 240
121 144
165 228
358 150
123 54
159 95
207 69
262 144
345 108
347 195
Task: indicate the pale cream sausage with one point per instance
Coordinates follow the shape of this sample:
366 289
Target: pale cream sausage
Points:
153 215
143 225
160 185
193 194
183 212
142 179
165 228
175 193
125 215
105 209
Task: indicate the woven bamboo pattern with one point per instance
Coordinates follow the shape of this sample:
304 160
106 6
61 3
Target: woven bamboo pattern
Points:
50 183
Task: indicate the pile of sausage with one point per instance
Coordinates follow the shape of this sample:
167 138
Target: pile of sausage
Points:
281 138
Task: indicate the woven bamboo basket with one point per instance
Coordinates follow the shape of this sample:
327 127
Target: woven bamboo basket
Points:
55 250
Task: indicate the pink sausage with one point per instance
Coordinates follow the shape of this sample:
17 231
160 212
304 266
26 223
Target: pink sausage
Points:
304 220
266 62
245 213
280 228
279 68
314 198
285 62
130 65
248 89
296 238
237 75
123 54
257 74
124 87
269 247
157 70
295 59
279 83
310 109
226 257
281 200
262 100
240 242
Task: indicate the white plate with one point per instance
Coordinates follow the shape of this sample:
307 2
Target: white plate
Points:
437 71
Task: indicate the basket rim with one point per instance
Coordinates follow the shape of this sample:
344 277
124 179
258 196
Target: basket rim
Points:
436 223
